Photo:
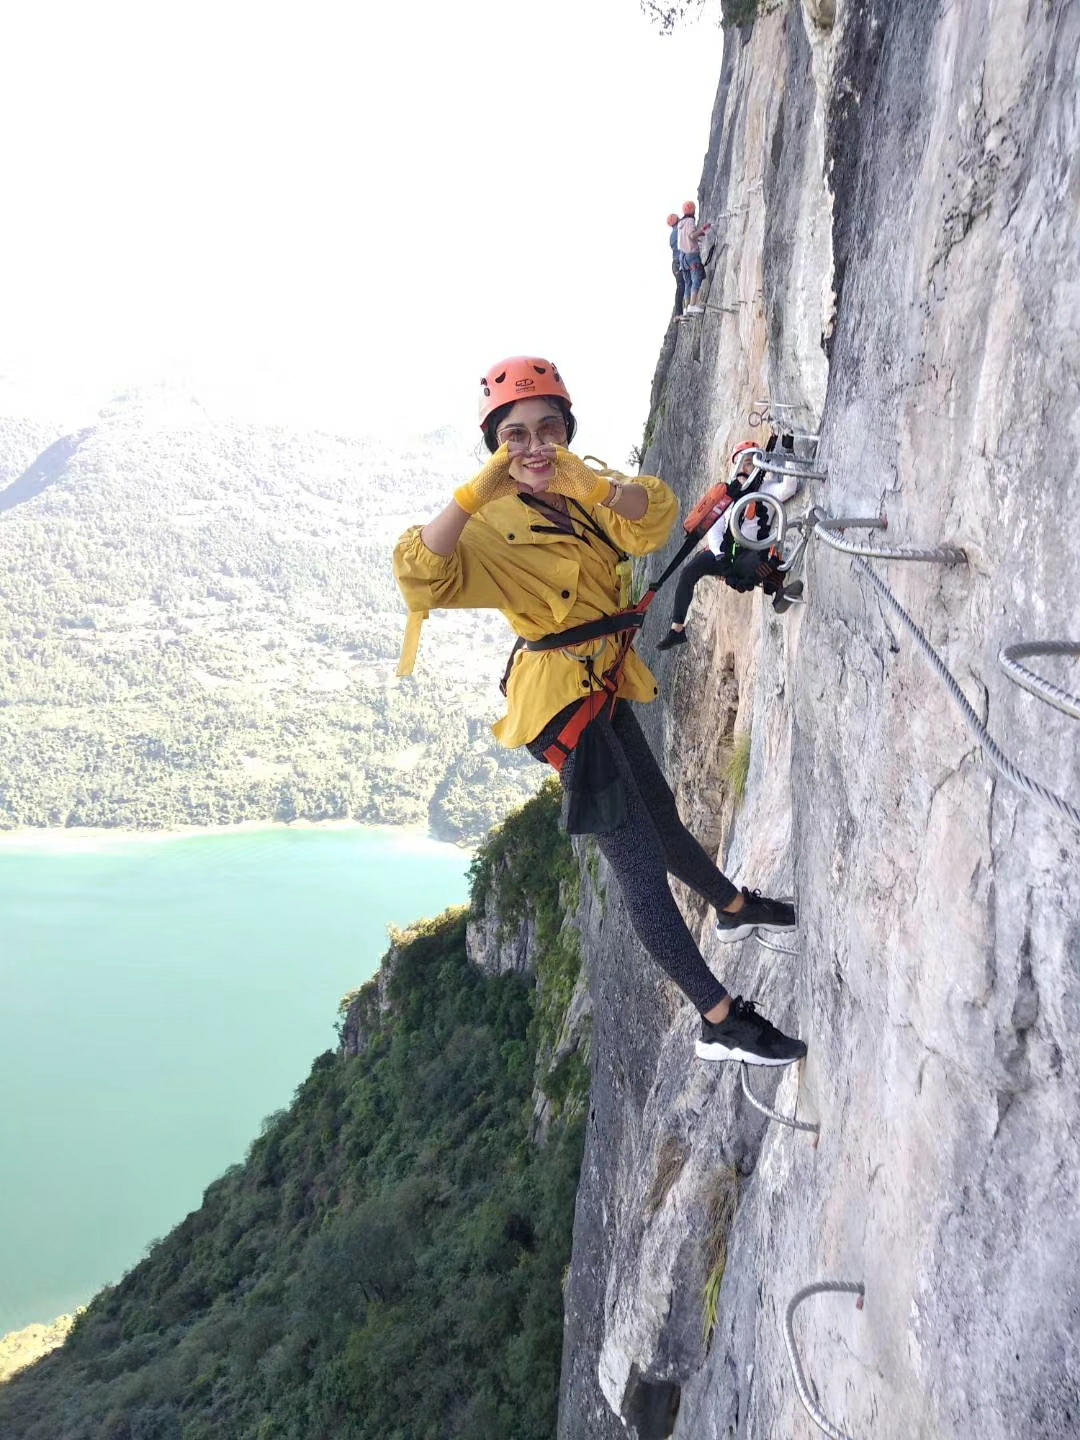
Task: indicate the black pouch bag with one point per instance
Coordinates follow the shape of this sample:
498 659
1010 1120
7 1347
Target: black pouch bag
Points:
595 800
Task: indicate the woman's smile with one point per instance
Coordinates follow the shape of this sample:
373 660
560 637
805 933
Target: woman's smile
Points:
536 471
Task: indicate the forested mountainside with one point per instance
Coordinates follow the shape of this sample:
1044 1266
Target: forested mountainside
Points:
199 625
388 1259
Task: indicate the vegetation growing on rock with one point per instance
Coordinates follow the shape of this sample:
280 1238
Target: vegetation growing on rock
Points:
200 626
388 1259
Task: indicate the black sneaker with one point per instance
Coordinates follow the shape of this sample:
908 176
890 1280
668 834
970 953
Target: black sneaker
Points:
746 1035
759 913
788 596
673 637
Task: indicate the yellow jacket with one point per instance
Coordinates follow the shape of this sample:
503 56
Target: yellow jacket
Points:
541 583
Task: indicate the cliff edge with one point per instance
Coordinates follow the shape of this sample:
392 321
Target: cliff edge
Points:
895 190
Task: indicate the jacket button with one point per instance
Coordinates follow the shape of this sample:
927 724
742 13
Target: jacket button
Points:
584 684
566 594
656 689
509 537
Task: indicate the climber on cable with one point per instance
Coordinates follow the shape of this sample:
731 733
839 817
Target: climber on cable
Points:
722 555
547 540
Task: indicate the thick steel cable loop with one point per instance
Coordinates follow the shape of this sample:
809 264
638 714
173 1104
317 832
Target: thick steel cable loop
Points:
820 1287
788 1120
767 502
941 554
994 754
1009 657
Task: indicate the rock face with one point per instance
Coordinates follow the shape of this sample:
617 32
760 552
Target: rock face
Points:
19 1348
897 187
497 949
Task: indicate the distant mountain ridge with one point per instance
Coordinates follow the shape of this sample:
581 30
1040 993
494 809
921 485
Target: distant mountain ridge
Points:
200 625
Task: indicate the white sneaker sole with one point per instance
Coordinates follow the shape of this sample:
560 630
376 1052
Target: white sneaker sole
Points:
727 934
715 1051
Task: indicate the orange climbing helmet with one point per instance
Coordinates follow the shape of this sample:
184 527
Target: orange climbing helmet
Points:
521 377
673 219
689 208
742 448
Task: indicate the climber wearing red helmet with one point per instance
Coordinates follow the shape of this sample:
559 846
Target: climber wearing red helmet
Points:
693 272
545 539
742 569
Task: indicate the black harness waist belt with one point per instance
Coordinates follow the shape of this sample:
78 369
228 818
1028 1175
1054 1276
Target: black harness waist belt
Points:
591 630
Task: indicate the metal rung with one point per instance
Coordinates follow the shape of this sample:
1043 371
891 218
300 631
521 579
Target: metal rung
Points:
852 522
788 1120
813 1409
789 465
825 525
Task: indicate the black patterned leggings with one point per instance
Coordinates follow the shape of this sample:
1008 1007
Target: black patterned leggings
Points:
651 843
702 564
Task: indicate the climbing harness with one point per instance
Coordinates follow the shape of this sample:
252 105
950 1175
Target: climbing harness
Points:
812 1408
945 555
1009 658
622 627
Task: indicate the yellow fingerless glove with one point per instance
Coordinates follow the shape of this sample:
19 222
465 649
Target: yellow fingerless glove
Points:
576 481
492 482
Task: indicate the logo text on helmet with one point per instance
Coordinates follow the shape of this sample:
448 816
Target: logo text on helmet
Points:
525 384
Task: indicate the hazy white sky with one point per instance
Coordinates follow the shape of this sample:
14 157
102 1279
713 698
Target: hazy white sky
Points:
342 213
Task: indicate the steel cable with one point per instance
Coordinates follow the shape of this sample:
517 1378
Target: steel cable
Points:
1009 657
819 1287
993 752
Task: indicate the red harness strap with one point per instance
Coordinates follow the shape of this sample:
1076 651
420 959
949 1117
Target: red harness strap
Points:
601 699
565 743
703 516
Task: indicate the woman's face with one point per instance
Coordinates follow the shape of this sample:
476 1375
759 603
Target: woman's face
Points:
530 431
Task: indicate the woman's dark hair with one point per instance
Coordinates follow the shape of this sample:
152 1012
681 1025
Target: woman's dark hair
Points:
496 418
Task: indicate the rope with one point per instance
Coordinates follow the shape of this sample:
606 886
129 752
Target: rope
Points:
1046 690
819 1287
994 754
787 1120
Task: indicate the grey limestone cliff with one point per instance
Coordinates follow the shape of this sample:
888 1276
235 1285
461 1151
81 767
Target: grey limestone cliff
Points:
896 186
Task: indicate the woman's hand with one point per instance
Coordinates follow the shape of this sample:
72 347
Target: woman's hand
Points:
492 483
576 481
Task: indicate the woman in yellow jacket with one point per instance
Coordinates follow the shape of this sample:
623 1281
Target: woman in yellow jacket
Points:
543 538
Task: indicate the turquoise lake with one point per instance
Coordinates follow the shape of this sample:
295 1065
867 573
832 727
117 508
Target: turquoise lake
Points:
159 996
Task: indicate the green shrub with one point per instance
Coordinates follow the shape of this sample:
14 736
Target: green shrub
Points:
720 1206
737 767
386 1263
